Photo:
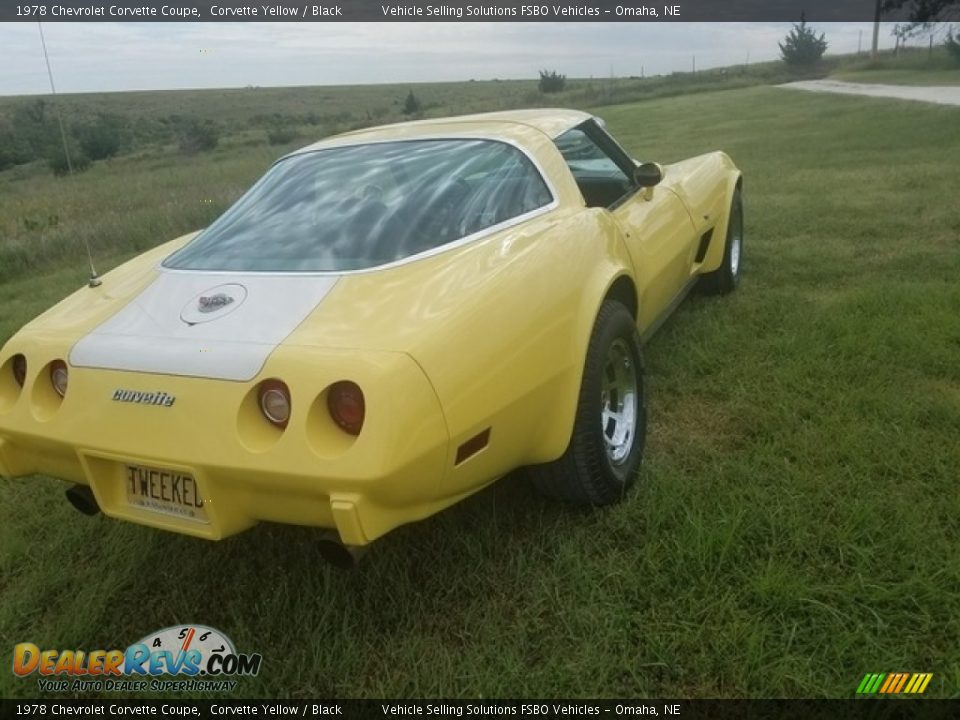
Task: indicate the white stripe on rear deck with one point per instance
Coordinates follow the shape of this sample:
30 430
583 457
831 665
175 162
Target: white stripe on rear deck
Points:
149 336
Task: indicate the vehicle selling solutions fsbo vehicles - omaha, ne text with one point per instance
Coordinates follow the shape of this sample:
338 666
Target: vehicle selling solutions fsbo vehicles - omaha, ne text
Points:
386 322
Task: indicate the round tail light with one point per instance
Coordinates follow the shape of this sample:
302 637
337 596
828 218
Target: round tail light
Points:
20 369
275 402
59 376
347 407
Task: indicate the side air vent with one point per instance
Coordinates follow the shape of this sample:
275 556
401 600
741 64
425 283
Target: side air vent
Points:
704 244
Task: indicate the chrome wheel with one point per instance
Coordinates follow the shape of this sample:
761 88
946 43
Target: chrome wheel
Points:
604 454
619 401
736 239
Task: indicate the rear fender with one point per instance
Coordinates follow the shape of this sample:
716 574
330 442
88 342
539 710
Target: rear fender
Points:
615 264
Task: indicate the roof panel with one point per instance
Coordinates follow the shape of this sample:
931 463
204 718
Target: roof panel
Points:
509 124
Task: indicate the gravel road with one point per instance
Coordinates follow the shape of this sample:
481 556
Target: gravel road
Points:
941 95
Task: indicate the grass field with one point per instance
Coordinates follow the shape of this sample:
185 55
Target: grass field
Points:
796 522
915 66
342 106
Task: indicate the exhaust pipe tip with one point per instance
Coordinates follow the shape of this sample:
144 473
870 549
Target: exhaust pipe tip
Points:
81 497
344 557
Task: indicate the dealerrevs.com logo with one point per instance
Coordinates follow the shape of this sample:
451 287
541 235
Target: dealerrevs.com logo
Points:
199 657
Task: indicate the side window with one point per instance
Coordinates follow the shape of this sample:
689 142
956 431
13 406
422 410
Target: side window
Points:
600 179
497 187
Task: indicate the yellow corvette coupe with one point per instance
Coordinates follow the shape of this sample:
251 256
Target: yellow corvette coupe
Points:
386 322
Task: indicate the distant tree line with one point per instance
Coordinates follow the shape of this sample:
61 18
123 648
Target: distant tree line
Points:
30 131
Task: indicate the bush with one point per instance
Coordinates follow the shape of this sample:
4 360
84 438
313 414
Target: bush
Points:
57 159
281 134
197 135
552 81
802 47
13 149
102 137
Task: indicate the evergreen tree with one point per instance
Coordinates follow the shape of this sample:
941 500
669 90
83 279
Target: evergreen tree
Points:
801 47
412 105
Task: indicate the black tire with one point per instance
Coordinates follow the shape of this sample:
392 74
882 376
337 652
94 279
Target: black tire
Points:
592 470
726 278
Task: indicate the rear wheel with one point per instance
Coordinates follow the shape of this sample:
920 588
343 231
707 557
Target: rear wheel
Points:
609 430
726 278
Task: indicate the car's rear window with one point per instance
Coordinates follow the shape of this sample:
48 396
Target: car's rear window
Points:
361 206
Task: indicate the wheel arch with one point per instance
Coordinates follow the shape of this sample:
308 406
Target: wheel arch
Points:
624 290
615 283
714 257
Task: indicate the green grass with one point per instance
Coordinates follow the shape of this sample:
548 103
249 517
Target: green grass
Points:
338 107
796 521
915 66
44 221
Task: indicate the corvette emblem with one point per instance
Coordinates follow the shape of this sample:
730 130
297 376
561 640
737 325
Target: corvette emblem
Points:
211 303
144 398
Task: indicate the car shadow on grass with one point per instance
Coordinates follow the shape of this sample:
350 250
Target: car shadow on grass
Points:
494 533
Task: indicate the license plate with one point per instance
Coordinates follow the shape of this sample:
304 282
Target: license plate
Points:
165 491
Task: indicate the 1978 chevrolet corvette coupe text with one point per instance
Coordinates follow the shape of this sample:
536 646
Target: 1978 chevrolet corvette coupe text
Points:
386 322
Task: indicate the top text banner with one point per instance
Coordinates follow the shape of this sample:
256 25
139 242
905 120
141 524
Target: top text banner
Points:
438 11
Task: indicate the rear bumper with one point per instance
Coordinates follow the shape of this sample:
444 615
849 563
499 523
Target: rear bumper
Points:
245 469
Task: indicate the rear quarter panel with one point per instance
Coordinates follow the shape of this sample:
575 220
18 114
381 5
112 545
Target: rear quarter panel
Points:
500 327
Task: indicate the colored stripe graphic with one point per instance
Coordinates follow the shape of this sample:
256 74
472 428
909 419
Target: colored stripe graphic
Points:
885 688
901 681
894 683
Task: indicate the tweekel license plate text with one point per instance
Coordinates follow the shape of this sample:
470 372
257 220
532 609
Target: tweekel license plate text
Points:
166 491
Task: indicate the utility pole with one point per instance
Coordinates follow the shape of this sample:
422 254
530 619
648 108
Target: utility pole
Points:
876 28
859 41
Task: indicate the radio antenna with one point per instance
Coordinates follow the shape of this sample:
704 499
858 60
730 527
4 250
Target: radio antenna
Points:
94 278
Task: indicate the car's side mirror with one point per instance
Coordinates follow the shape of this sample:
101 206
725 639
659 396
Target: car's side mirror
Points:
648 174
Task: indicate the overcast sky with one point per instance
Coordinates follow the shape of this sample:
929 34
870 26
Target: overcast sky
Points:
93 57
